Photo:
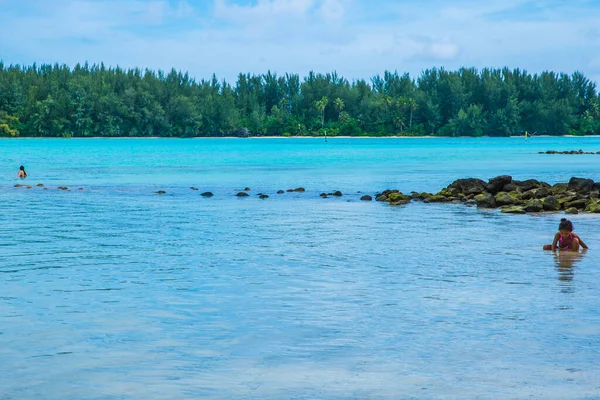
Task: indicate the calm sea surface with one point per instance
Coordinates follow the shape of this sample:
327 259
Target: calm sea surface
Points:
115 292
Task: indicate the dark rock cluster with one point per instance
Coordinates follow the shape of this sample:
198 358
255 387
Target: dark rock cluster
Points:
519 197
568 152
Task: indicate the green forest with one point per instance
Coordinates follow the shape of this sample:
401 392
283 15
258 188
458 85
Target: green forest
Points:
98 101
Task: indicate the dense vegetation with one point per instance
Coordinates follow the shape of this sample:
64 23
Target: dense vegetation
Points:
58 101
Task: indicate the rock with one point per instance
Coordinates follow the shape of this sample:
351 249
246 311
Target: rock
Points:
510 187
571 210
66 188
467 186
193 188
550 203
593 207
398 198
206 194
494 185
337 193
242 194
158 192
40 185
19 185
290 190
280 192
263 196
300 189
528 184
512 210
559 188
536 193
366 197
534 205
579 204
323 195
485 200
437 198
470 202
45 188
581 185
504 199
80 189
381 197
247 189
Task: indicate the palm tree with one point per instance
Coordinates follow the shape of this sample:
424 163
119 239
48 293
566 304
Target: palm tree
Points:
320 106
339 106
412 106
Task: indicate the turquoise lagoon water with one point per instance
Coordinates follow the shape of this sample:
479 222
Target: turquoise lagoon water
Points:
115 292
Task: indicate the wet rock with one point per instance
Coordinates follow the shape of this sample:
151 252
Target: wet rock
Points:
534 205
471 202
529 184
19 185
579 204
263 196
207 194
80 189
485 200
323 195
290 190
467 186
550 203
366 198
160 192
504 199
381 197
437 198
580 185
63 188
571 210
593 207
40 185
242 194
559 188
398 199
496 184
337 193
280 192
300 189
247 189
512 210
193 188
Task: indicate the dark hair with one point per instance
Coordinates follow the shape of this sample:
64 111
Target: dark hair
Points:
565 224
22 168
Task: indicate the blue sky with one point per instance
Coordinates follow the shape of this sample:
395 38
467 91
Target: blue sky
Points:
356 38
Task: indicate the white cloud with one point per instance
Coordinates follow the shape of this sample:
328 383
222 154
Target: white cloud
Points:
358 38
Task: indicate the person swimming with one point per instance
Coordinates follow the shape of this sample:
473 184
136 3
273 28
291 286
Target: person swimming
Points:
22 174
565 238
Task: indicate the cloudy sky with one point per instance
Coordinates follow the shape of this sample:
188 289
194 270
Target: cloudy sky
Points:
356 38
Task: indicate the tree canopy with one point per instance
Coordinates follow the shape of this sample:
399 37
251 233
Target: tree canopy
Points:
94 100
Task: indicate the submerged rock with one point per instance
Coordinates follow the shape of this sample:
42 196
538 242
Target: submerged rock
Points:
242 194
158 192
207 194
280 192
366 198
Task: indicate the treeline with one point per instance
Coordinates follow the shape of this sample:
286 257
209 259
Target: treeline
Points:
84 101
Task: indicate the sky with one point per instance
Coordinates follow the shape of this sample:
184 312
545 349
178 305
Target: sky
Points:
356 38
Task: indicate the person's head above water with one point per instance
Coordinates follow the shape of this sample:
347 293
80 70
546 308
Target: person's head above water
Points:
565 225
22 168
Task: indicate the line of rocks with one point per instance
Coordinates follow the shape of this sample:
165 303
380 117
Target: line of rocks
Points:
568 152
511 196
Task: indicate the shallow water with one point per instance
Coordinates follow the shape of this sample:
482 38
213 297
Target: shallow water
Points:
114 292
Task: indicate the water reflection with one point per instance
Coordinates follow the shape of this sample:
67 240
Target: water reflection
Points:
565 263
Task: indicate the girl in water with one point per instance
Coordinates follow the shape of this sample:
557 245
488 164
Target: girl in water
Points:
565 238
21 174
